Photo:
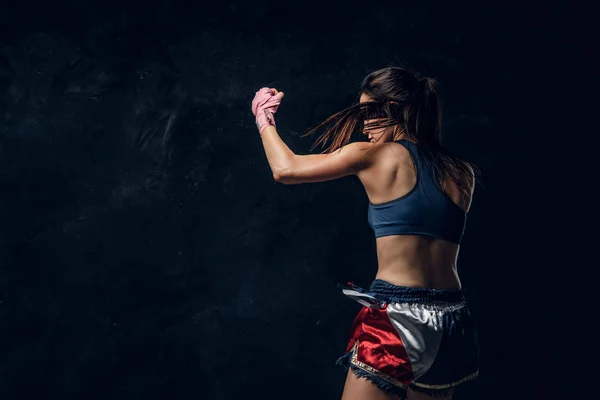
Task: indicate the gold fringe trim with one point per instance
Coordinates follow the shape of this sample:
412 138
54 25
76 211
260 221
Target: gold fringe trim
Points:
448 385
374 371
401 385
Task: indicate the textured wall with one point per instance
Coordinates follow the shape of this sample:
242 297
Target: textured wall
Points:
146 250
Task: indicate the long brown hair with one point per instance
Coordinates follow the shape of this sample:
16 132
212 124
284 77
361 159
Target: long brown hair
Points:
403 101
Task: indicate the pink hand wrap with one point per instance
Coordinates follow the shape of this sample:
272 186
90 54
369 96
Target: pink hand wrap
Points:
264 105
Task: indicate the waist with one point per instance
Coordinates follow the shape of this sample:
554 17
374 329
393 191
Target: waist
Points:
391 293
416 261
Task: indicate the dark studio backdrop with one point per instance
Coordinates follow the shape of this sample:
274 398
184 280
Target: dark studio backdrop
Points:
147 253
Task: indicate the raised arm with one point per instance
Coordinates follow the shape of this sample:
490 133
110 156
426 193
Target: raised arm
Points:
289 168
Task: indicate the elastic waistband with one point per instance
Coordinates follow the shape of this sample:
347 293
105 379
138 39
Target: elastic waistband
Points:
403 294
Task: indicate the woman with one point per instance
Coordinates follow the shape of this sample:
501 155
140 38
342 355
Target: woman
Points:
414 338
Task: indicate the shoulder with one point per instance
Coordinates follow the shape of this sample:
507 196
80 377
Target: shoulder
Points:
358 147
392 153
367 154
357 153
387 157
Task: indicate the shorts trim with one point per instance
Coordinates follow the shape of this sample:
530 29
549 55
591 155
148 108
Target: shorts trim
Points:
448 385
354 361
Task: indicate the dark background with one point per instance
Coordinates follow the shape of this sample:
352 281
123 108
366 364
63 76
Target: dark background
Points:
147 253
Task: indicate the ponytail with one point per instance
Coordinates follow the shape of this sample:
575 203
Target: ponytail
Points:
428 129
428 118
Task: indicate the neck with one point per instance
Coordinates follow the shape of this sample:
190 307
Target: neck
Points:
401 136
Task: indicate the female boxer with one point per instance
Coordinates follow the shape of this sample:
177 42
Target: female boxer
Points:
414 338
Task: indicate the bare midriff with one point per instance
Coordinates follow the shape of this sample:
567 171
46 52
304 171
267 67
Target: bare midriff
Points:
417 261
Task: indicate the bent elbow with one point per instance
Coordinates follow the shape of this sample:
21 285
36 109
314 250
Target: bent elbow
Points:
278 176
281 176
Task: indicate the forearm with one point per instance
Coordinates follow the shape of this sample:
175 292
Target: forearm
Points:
279 155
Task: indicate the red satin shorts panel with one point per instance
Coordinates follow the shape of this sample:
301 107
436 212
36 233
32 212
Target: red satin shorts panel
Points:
379 345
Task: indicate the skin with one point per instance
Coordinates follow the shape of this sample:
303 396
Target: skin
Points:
386 173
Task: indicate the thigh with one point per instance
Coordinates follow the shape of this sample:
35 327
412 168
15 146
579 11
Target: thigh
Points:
357 388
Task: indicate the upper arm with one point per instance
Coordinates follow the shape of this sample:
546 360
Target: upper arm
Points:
348 160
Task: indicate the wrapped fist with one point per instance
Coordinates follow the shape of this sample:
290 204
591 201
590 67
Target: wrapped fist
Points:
264 106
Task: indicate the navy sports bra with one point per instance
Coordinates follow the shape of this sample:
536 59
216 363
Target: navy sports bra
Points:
425 210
